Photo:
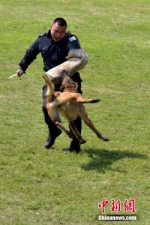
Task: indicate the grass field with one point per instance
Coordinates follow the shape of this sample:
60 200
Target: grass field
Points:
52 188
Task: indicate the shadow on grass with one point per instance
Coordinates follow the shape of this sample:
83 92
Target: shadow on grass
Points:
102 160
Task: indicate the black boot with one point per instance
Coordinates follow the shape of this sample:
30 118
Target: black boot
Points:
51 138
75 145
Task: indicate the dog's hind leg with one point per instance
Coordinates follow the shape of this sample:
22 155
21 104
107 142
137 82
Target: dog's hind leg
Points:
76 132
59 124
54 115
89 123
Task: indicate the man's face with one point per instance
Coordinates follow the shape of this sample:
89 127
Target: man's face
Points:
57 32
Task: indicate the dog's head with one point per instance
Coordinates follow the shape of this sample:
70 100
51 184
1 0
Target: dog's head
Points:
64 73
67 81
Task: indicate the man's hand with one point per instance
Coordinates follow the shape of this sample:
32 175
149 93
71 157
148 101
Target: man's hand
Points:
20 72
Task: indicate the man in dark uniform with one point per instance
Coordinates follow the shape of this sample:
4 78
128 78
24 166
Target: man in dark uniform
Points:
54 48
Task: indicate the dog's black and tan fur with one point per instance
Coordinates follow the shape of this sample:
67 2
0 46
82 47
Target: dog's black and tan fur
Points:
69 104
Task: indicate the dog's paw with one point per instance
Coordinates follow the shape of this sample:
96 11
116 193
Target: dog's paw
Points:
95 100
105 139
82 141
71 135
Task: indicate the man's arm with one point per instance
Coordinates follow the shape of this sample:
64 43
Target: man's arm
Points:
28 58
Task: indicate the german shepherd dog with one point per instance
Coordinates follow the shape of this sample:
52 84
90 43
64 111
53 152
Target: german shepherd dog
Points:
69 104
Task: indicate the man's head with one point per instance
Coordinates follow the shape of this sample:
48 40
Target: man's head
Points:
58 29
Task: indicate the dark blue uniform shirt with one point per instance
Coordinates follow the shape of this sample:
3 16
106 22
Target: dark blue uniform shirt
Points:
53 53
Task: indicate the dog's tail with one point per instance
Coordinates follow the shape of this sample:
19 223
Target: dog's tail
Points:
50 88
88 100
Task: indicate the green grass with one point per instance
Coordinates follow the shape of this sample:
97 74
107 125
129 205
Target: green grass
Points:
48 187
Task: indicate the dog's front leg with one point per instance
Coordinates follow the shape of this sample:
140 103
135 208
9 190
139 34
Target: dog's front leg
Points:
76 132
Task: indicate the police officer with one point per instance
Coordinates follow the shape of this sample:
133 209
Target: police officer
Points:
54 47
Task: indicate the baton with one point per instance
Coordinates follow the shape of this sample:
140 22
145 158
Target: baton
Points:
14 75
